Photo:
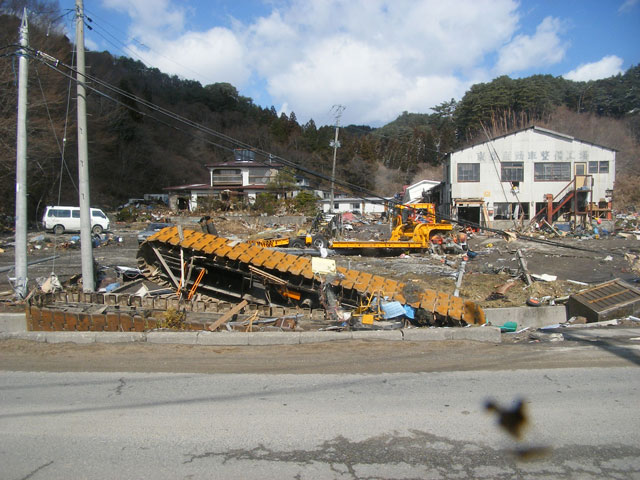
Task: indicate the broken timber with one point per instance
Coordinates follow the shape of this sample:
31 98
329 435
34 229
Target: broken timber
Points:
244 271
228 316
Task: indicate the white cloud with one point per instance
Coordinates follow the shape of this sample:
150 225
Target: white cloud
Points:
212 56
627 5
543 48
155 18
603 68
377 57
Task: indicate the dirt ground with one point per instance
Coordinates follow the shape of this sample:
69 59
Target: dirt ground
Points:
356 356
495 263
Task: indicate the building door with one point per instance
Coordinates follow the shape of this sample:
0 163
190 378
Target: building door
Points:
580 170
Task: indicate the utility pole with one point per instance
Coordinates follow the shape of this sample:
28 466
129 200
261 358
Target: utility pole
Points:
86 248
335 144
21 280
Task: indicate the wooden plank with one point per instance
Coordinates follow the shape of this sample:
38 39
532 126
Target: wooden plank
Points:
227 316
166 267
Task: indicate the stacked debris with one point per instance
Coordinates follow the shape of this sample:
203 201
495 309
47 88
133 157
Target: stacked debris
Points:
191 261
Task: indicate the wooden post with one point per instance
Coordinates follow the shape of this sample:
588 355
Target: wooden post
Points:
549 208
523 266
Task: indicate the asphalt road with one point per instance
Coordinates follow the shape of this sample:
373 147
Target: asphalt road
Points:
343 426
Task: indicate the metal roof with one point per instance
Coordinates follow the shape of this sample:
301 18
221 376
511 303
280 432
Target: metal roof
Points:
537 129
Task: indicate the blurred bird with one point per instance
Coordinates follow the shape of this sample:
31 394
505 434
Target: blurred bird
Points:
512 420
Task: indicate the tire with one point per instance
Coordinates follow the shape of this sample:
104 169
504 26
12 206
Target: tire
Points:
58 230
319 242
97 229
296 243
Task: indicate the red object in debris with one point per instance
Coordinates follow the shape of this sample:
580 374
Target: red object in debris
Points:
462 237
533 302
437 239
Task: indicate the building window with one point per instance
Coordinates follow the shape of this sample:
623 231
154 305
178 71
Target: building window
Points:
552 171
355 206
599 167
336 206
468 172
510 211
512 172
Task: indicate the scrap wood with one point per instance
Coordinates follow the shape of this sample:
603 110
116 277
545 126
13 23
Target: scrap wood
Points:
510 236
166 267
553 229
502 289
227 316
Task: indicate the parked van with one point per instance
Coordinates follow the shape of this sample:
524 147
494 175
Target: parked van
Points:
61 219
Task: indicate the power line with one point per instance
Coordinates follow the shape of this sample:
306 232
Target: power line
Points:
268 156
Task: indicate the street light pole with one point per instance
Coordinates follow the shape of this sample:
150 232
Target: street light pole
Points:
335 144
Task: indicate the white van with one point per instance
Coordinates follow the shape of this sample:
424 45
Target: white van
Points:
61 219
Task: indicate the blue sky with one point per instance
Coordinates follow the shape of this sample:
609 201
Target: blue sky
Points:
378 58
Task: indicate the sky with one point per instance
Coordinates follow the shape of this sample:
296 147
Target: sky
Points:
376 58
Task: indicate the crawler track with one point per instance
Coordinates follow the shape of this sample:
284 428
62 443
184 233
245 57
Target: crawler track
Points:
246 271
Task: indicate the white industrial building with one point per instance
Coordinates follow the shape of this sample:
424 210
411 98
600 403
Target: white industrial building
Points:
528 172
342 204
415 193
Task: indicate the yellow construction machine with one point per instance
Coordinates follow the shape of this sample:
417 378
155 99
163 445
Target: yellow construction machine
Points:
414 227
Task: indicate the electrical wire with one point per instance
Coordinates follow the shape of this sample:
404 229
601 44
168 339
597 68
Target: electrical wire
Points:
268 156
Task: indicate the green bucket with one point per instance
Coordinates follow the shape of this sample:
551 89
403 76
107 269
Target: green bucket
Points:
509 327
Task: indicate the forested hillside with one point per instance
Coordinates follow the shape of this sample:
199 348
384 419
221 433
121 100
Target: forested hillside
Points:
134 149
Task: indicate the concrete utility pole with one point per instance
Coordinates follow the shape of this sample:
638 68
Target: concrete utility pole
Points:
335 144
86 248
21 280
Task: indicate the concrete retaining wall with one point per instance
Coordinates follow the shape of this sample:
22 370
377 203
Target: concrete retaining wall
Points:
533 317
480 334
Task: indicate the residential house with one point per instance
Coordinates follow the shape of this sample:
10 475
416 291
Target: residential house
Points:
241 179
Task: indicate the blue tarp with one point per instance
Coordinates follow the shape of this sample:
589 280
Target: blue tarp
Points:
392 310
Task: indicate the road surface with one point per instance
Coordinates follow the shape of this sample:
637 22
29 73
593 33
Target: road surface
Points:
416 425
